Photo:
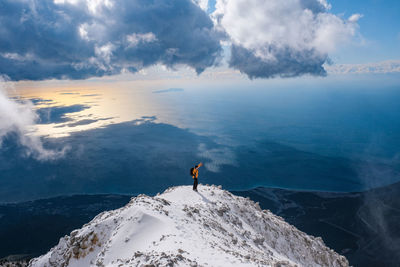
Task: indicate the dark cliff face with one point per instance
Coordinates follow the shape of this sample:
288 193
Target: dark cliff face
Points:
361 226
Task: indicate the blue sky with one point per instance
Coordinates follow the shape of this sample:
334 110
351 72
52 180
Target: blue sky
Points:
379 26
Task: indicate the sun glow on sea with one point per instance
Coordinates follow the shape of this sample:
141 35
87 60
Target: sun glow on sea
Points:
95 105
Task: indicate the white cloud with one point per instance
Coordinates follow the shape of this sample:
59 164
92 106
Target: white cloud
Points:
16 56
95 7
390 66
355 17
203 4
105 51
286 38
18 117
83 31
217 157
62 2
136 38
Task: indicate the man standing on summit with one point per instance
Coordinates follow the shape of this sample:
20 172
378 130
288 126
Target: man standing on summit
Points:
195 175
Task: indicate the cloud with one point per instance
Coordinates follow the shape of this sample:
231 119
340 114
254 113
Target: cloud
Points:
281 38
216 157
77 39
90 95
355 17
18 117
389 66
203 4
169 90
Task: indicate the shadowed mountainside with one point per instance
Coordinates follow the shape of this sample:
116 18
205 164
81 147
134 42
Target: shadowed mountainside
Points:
30 228
361 226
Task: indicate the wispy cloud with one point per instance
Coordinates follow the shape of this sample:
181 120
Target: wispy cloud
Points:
18 117
216 157
390 66
169 90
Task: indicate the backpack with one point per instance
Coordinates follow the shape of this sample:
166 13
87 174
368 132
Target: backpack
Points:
192 171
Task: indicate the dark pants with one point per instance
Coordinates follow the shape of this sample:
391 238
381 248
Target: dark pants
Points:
195 182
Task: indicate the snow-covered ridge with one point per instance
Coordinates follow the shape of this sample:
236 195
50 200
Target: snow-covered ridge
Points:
183 228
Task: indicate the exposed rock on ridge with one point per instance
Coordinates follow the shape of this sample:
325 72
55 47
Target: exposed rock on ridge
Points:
184 228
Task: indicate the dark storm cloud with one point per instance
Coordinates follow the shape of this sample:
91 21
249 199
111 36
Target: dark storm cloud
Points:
80 39
291 63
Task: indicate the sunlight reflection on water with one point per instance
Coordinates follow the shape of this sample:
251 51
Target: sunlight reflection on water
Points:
102 106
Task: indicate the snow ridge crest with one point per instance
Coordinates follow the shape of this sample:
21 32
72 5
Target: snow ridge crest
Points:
181 227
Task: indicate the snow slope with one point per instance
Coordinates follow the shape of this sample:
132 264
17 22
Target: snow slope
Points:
183 228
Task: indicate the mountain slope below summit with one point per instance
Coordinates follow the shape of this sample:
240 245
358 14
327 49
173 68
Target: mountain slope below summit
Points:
182 227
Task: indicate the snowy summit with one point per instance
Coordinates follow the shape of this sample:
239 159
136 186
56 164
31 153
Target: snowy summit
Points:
183 228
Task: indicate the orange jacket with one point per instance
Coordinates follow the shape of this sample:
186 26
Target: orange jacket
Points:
195 173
